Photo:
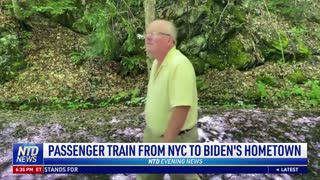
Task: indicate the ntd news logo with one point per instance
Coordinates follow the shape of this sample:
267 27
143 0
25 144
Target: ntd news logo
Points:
29 154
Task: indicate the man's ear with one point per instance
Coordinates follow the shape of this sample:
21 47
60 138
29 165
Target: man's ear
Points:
171 40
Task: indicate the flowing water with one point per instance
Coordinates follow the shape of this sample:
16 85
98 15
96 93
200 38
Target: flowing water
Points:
126 125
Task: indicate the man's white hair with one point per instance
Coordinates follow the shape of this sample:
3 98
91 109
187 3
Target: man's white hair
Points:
172 31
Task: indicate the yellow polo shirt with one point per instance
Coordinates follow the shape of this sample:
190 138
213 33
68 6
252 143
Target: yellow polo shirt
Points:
173 84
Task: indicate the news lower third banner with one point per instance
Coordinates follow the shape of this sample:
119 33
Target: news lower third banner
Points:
159 158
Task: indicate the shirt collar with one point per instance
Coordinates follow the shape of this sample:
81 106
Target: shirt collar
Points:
169 55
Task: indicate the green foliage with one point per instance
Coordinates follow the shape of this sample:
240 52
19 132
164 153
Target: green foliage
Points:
262 90
301 51
102 41
135 99
202 85
131 98
11 56
268 80
53 7
79 104
112 33
4 105
281 43
198 64
277 46
258 93
292 9
77 57
132 65
216 61
308 93
297 77
313 95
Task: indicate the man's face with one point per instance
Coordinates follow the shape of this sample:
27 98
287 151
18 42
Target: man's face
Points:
156 39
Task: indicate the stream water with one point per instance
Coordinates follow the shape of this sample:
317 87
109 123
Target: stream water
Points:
126 125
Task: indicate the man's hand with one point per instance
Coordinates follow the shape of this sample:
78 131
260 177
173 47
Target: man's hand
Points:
178 118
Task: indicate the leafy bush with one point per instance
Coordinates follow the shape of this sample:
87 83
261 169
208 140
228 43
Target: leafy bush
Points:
308 93
11 56
202 85
268 80
53 7
109 27
262 90
297 77
258 93
132 65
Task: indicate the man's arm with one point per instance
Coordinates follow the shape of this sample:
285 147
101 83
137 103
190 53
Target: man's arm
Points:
178 118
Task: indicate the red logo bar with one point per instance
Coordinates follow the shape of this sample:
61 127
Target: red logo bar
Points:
27 169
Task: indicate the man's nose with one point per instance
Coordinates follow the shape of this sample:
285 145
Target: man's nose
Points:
148 37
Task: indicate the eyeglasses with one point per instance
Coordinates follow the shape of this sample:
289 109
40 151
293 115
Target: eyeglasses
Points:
157 33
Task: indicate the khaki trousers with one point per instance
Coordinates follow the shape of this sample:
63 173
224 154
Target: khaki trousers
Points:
188 137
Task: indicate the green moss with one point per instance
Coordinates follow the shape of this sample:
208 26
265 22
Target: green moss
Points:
297 77
198 64
216 61
238 14
237 57
303 52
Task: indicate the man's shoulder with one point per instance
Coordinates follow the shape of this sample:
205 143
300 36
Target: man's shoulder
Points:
180 58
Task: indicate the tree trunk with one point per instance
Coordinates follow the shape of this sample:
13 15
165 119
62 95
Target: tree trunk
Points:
149 9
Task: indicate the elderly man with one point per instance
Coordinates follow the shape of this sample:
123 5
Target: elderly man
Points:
171 106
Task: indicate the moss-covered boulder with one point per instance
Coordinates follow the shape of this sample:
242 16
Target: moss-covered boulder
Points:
198 64
217 61
193 46
237 56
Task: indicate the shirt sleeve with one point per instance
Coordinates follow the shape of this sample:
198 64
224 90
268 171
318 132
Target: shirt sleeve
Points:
182 86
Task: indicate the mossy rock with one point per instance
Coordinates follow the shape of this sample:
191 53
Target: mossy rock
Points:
198 64
216 61
297 77
237 56
193 46
239 14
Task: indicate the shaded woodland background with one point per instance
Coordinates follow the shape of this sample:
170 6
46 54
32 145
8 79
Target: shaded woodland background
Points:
78 54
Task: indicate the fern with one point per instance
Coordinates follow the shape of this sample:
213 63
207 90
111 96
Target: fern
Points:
108 29
262 89
289 8
54 7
